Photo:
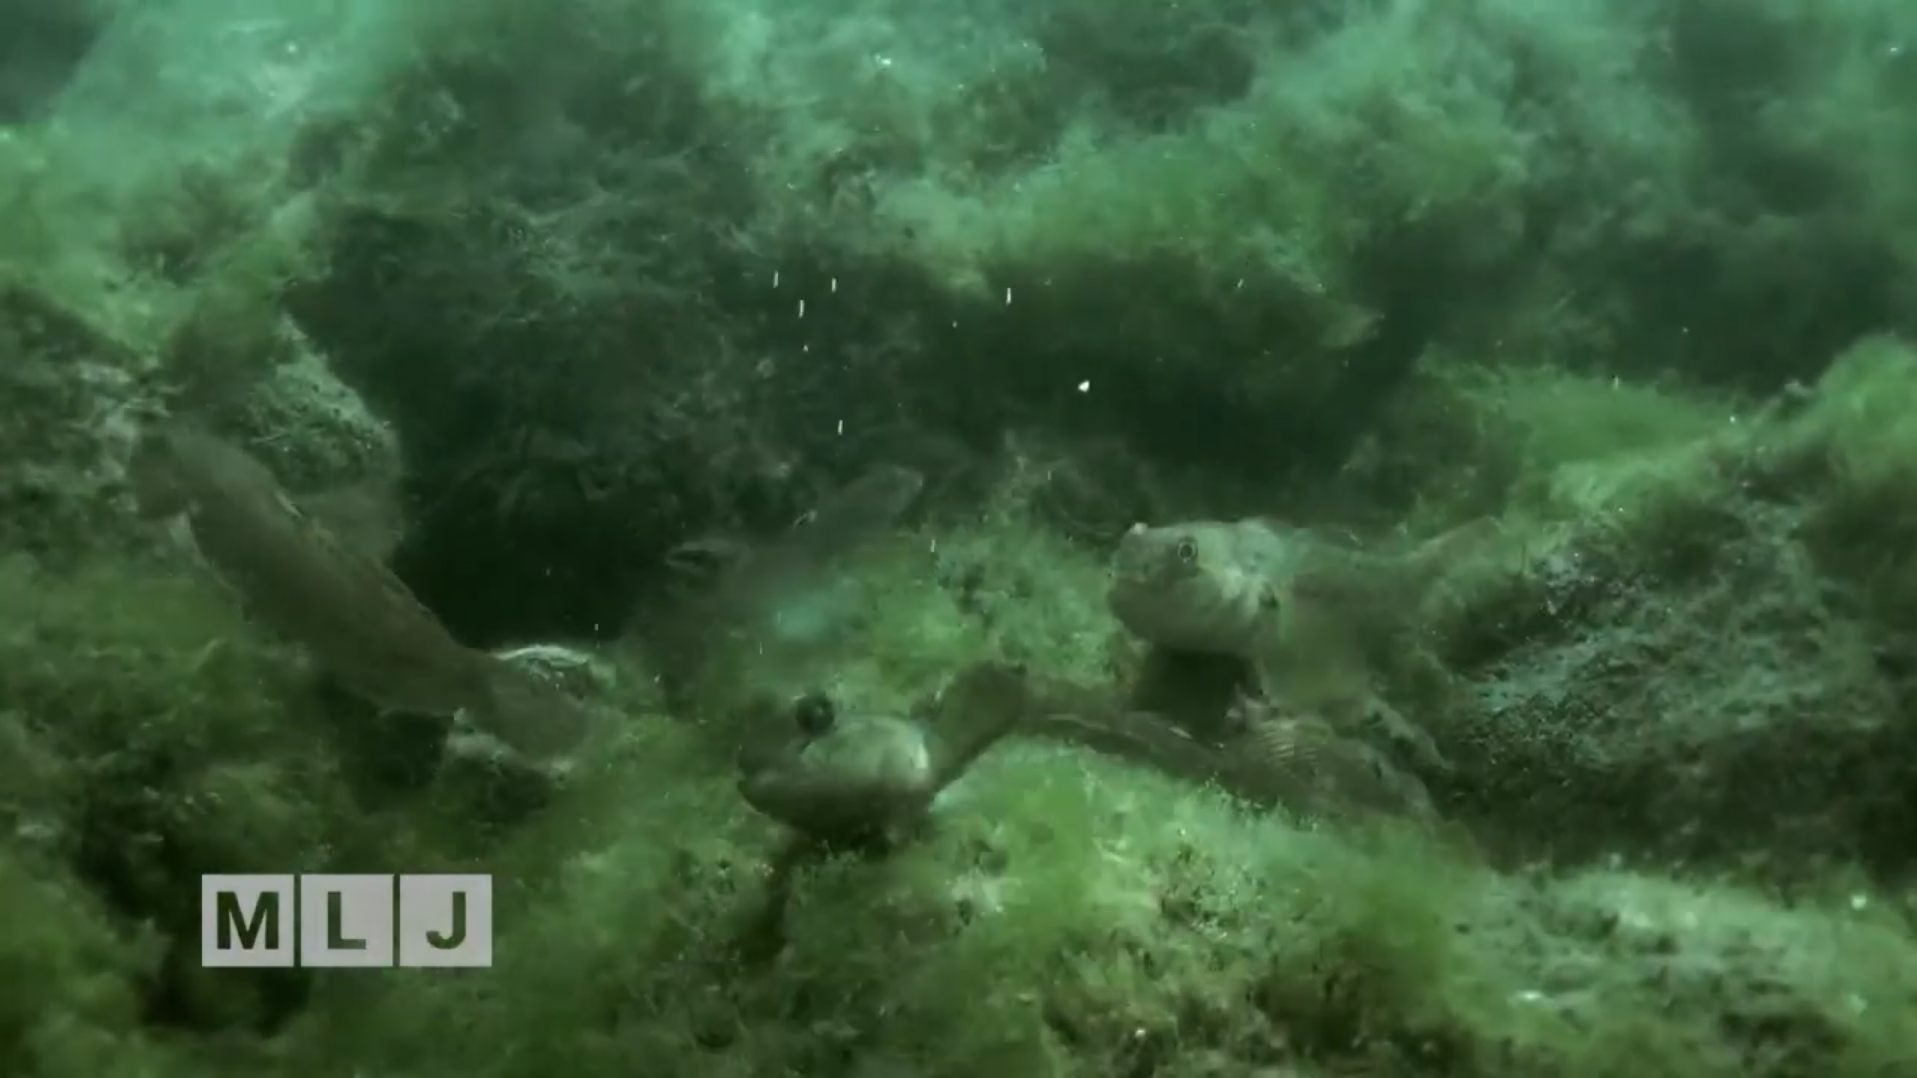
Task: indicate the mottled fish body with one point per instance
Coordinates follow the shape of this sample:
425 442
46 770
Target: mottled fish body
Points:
357 619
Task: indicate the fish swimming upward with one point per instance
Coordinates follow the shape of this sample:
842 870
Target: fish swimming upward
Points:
750 587
837 527
1308 616
358 621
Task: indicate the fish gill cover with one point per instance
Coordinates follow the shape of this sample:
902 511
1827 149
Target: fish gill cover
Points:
1626 790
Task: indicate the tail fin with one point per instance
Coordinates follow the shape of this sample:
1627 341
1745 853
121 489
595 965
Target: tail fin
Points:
980 706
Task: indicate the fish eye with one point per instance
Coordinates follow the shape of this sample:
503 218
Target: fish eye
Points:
814 713
1187 551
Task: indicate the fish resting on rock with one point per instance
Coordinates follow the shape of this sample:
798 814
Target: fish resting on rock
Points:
1304 613
849 778
358 621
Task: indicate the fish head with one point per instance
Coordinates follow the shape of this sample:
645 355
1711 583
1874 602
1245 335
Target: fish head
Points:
1187 587
523 698
834 775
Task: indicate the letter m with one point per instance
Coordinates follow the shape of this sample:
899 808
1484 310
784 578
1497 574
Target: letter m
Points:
265 915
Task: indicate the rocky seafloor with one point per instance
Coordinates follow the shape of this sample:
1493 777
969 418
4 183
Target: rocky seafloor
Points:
560 306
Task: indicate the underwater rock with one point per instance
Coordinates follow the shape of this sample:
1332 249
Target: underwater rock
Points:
578 673
1672 676
1312 620
313 429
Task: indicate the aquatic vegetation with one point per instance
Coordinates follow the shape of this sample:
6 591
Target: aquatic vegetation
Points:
598 278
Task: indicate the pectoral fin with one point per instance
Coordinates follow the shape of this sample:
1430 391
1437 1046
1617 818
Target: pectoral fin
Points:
1312 654
980 706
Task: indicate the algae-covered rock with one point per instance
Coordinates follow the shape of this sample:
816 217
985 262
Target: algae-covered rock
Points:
317 434
619 275
75 395
1681 654
1072 916
72 997
1068 915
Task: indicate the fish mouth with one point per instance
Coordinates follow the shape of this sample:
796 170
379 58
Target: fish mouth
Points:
1142 586
1137 608
1135 574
